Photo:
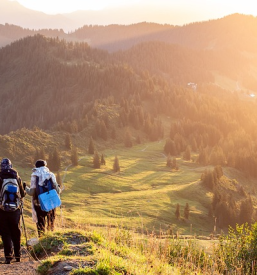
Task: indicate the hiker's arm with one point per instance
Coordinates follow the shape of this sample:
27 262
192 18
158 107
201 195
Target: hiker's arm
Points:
32 189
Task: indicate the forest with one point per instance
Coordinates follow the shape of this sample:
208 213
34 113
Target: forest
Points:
152 91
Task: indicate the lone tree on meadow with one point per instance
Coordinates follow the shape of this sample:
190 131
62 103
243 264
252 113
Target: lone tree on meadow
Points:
103 160
68 143
186 211
169 147
174 164
116 165
96 160
169 162
177 212
91 146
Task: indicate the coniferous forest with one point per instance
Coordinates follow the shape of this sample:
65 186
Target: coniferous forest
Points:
162 87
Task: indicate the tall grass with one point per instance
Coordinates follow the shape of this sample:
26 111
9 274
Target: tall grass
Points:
110 250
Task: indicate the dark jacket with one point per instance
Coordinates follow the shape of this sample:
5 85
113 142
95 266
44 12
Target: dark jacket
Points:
12 174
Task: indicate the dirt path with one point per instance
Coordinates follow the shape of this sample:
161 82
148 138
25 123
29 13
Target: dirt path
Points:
26 267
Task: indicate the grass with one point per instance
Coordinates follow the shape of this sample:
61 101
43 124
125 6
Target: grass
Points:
142 197
144 193
118 251
115 251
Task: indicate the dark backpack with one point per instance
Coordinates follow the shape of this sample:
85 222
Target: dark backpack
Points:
10 197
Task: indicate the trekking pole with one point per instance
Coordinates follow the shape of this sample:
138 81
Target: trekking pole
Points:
24 227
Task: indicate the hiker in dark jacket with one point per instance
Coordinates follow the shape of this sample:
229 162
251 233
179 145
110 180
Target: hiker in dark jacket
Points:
39 174
10 220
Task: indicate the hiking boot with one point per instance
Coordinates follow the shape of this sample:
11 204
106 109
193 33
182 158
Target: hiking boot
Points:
7 261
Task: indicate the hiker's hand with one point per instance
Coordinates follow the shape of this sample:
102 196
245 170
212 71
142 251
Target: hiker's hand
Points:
24 185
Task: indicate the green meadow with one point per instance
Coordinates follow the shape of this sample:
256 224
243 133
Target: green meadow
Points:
142 196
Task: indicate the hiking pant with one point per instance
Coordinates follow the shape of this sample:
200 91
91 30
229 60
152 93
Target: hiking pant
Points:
41 221
50 220
11 233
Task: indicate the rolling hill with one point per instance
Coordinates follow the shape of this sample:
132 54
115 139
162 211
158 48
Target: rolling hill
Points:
52 88
236 32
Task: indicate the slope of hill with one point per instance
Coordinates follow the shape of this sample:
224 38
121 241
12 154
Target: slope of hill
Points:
135 96
74 88
39 74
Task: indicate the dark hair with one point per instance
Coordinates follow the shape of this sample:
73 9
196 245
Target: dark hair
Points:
40 163
6 164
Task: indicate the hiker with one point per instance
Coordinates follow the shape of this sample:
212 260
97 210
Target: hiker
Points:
39 174
11 194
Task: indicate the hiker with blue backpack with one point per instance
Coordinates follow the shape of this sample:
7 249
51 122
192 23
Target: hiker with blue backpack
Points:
42 182
11 194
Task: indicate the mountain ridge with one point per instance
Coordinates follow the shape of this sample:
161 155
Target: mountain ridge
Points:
236 31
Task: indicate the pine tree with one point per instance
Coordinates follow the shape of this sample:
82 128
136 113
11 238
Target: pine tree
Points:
169 163
203 158
96 160
186 211
91 146
102 160
177 212
174 164
246 211
56 160
68 143
74 156
103 131
116 165
170 148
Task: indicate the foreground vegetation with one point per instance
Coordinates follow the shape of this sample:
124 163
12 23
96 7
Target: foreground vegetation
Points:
119 251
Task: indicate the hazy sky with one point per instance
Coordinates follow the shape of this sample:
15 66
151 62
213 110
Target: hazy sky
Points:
186 10
61 6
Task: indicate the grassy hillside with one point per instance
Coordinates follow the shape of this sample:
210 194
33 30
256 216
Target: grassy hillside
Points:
143 196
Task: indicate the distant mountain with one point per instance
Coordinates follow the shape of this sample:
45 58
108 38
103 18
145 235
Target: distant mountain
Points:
238 32
235 32
12 12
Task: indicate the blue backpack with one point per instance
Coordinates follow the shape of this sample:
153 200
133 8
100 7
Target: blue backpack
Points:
47 196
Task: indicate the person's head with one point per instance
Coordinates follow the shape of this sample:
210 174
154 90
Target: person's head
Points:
40 163
6 164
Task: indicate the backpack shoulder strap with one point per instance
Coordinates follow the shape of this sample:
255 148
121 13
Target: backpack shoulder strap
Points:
37 186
